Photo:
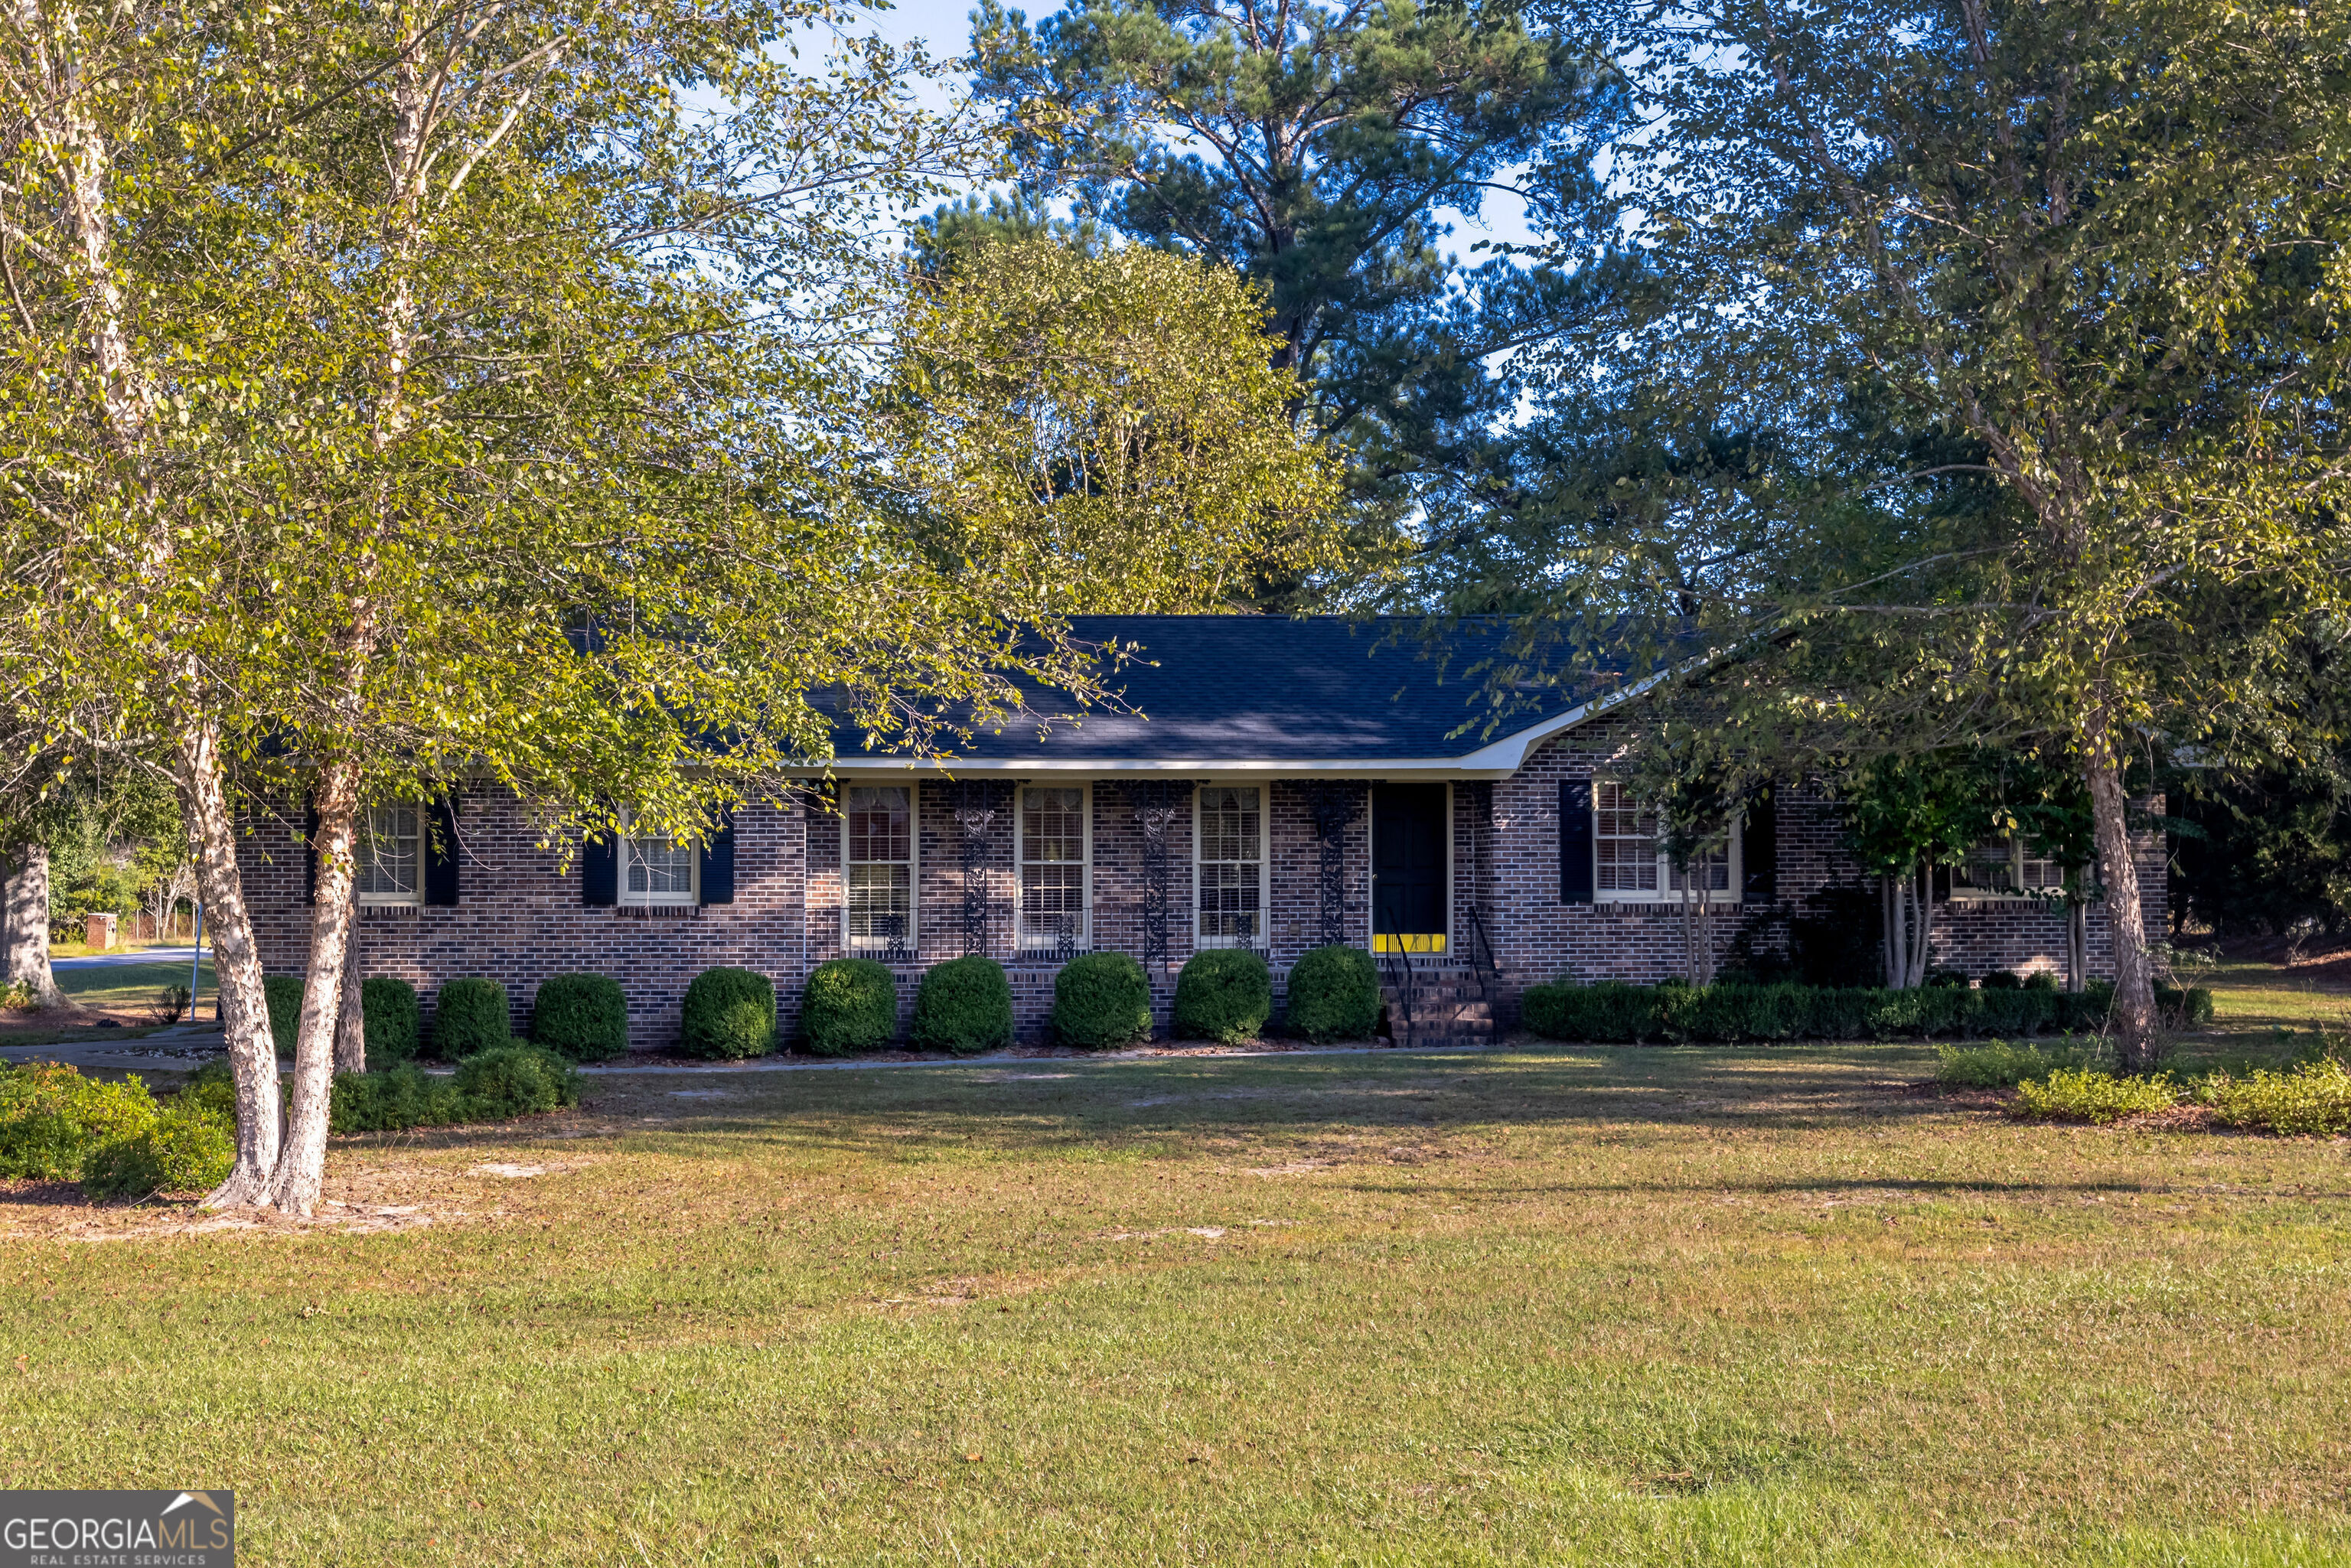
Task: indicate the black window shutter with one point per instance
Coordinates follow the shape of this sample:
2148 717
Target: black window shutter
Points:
1942 874
441 853
1575 840
600 870
718 864
310 855
1759 848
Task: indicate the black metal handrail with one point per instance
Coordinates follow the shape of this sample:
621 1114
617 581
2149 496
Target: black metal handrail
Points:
1484 972
1404 981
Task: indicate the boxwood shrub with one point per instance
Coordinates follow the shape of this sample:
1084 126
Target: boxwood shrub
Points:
1101 999
468 1015
1612 1012
583 1018
730 1014
1224 993
515 1080
849 1005
1335 994
965 1006
391 1019
283 995
182 1150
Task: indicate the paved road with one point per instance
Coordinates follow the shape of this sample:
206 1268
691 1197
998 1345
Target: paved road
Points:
140 956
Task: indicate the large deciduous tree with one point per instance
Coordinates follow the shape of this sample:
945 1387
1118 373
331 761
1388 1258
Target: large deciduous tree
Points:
470 393
2088 256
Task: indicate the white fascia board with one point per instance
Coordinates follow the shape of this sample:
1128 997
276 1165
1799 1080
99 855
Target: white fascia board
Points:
1498 759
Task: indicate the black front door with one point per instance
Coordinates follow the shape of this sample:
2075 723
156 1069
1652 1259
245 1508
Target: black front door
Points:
1408 866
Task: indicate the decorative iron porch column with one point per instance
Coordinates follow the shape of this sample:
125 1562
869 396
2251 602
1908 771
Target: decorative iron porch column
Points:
1157 802
1333 807
974 803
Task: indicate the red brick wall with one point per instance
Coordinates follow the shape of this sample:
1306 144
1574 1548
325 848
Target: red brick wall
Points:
519 918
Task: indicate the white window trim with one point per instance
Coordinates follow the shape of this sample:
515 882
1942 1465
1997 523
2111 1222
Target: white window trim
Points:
2016 859
1264 943
1665 892
410 900
914 863
1021 942
690 900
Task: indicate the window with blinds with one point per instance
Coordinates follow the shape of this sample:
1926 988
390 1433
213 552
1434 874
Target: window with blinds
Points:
390 855
656 871
1052 851
878 859
1630 864
1230 868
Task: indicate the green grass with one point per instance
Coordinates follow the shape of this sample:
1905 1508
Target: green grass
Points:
2264 995
1605 1306
130 987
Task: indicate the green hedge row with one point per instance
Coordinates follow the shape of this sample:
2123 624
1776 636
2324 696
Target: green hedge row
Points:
1613 1013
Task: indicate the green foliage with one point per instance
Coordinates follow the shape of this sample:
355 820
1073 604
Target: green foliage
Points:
392 1018
730 1014
2001 980
2082 1095
1311 149
1121 409
1101 999
1333 994
584 1018
1999 1064
1225 994
2313 1099
398 1097
185 1149
2190 1009
1610 1011
284 994
52 1117
470 1015
516 1081
965 1006
494 1085
213 1087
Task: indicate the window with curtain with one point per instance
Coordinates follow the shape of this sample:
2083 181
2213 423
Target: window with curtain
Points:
656 871
1231 866
2005 866
390 855
1053 867
878 822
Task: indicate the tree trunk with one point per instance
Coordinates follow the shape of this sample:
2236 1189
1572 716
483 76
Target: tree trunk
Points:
25 927
1923 934
350 1019
237 996
1889 948
2133 1015
302 1166
2078 941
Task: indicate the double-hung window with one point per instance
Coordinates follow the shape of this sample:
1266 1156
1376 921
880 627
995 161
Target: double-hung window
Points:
878 856
1054 841
1230 873
656 871
1629 862
2005 867
390 855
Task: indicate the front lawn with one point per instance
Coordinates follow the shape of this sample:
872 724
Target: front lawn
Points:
1574 1305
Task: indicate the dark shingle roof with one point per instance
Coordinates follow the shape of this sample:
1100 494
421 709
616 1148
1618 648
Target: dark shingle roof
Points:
1271 692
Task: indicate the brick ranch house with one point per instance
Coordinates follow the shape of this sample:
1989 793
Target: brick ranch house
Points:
1281 784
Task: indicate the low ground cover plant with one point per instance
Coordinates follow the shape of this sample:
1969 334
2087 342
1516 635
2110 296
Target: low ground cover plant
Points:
849 1005
581 1018
1101 999
1611 1012
494 1085
1223 994
2086 1094
2003 1064
1335 994
470 1015
391 1019
2314 1098
965 1006
115 1139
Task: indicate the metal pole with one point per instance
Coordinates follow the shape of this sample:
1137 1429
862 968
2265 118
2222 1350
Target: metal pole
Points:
195 966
